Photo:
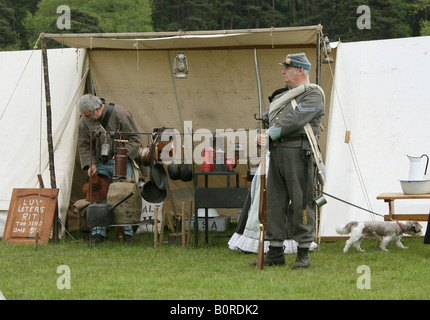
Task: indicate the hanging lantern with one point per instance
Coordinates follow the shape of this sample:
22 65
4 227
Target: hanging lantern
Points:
326 50
180 67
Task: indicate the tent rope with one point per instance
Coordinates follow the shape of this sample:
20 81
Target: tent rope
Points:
351 146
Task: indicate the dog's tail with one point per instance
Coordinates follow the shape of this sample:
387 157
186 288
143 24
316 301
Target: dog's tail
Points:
346 229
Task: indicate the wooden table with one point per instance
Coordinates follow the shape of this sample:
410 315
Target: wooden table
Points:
390 197
208 197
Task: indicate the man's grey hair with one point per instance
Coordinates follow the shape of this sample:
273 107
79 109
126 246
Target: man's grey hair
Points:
306 72
90 103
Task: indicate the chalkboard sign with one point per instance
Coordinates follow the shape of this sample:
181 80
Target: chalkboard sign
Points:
31 213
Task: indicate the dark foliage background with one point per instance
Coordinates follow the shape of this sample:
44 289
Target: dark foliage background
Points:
21 21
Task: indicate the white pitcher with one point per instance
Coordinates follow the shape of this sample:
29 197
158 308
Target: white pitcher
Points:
415 171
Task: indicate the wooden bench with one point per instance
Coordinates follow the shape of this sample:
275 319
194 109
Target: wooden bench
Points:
390 197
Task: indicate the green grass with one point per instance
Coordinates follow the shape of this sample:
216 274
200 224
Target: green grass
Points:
116 270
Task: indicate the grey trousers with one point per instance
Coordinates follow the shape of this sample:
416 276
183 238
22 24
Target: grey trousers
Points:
290 191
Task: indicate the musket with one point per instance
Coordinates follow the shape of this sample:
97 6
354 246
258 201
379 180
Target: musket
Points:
262 204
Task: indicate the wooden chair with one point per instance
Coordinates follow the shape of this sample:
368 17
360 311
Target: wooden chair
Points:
182 238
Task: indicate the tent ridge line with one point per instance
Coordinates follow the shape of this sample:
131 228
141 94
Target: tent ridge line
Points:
177 33
248 47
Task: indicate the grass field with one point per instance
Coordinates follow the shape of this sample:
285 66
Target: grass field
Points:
116 270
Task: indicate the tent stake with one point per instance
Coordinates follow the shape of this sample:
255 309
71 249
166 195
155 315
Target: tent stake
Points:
49 131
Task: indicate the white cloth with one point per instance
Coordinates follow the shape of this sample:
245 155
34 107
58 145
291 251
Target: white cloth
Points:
248 241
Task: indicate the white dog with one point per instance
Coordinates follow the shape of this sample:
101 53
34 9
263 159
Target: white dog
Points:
385 231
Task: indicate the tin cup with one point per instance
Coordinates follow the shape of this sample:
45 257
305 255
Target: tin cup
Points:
320 201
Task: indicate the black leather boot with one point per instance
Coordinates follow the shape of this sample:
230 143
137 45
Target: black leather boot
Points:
275 257
302 260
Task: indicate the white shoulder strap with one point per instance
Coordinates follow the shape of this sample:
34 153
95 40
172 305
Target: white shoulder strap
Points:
310 134
294 104
314 145
315 150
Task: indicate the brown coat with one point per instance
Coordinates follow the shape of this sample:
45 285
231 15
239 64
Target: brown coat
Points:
126 125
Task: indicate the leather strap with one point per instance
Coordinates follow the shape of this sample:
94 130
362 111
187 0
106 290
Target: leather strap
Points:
401 228
314 144
107 115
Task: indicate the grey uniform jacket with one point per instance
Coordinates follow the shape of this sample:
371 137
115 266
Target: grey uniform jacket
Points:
287 123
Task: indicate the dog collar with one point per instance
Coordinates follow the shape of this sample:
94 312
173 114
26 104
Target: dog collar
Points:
401 228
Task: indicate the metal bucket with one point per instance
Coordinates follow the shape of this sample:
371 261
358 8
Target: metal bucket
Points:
101 214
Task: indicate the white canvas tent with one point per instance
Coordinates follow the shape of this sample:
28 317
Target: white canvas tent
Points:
23 132
219 93
380 95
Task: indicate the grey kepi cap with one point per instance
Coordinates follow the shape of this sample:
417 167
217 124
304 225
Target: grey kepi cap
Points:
298 60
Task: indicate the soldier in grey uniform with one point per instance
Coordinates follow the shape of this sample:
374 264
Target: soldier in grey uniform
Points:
291 178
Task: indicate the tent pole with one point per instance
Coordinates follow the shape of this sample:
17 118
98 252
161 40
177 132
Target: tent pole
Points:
49 131
318 69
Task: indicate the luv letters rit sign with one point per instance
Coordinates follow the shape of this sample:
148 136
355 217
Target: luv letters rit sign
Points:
30 215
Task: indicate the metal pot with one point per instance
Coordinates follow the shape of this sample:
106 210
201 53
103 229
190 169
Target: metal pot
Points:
186 172
159 176
144 156
151 193
173 171
100 214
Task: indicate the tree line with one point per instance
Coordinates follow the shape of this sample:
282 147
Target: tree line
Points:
21 21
